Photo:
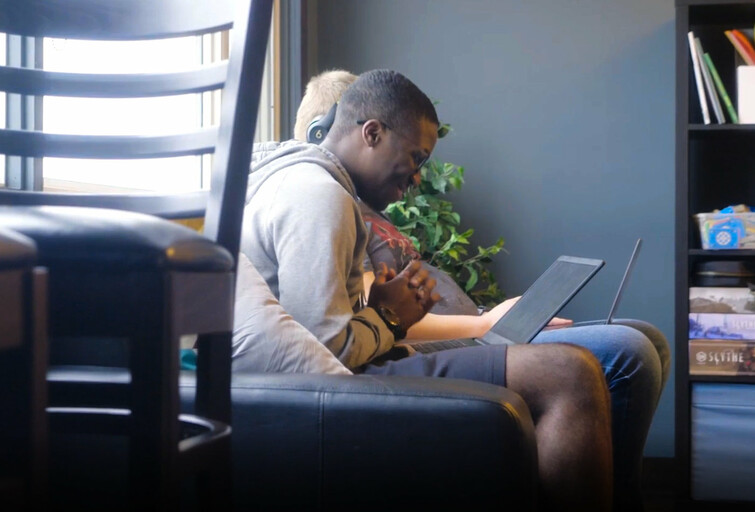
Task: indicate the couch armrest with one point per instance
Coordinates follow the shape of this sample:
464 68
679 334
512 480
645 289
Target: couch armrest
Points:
326 442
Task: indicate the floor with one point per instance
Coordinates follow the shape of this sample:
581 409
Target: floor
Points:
658 484
659 481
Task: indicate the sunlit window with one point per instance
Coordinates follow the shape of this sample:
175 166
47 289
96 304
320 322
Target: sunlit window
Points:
123 116
136 116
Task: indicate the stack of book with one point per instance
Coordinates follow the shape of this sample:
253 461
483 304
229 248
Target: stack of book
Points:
711 91
722 331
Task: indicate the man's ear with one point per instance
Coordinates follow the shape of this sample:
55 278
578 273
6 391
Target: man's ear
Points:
372 131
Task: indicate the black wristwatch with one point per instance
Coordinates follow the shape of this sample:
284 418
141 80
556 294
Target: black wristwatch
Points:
393 322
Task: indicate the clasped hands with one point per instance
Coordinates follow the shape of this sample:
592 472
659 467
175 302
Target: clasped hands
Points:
409 294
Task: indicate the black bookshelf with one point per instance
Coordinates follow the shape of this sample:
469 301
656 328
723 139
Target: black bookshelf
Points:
715 167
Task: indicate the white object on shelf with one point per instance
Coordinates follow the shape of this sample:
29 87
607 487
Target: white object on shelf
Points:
746 94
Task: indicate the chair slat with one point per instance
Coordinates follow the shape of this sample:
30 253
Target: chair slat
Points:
35 82
173 206
114 19
38 144
239 108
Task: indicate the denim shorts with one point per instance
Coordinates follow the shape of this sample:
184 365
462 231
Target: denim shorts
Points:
485 363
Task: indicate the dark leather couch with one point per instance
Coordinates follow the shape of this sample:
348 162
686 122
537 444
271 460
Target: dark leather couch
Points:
324 442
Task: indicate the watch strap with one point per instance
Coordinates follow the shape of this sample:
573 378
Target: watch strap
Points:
392 322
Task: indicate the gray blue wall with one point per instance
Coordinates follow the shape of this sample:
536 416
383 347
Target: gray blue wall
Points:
563 116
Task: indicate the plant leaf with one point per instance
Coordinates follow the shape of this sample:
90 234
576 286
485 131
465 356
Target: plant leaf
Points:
472 281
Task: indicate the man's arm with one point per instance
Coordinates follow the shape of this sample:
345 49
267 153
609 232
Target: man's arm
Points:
318 242
303 231
266 338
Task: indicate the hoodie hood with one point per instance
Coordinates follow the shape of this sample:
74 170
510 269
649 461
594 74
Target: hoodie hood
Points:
270 157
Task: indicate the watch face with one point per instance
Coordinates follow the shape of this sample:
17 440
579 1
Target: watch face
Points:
389 316
392 321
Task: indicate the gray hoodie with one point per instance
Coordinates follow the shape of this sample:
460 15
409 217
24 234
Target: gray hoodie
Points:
266 338
304 233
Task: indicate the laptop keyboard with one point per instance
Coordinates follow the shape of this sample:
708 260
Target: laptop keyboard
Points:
435 346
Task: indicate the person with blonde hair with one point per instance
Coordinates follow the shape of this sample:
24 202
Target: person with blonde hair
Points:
634 354
322 92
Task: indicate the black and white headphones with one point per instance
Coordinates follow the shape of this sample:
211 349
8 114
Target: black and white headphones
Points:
320 125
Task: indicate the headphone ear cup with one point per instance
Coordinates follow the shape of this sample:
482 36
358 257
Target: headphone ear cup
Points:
316 133
319 127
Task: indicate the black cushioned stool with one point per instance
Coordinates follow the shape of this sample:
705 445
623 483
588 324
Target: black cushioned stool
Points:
127 275
23 363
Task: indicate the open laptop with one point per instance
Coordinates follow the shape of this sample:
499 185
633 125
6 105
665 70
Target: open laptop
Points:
619 293
525 325
624 281
537 306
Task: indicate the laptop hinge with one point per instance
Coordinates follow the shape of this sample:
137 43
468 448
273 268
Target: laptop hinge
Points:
492 338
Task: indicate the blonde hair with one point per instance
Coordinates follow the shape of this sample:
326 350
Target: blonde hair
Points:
322 92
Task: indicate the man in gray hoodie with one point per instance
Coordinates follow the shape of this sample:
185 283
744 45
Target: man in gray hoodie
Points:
304 232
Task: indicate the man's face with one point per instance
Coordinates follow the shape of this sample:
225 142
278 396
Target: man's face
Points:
394 163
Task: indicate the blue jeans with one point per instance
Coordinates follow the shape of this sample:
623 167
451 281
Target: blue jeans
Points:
636 359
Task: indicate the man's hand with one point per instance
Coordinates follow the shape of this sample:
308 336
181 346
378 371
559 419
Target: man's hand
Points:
409 294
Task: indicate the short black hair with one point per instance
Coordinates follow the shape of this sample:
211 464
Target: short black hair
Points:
385 95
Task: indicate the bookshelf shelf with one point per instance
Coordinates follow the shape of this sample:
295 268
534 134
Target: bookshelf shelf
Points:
727 128
738 379
722 254
724 132
715 168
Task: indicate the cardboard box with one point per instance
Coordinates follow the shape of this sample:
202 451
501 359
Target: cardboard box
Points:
706 299
721 357
721 326
746 94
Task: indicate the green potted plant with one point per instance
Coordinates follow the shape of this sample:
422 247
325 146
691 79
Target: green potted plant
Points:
428 219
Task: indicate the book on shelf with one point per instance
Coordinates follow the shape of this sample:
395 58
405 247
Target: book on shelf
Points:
722 326
721 357
746 44
742 45
721 89
716 299
709 85
698 77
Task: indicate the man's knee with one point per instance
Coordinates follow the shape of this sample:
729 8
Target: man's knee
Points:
634 357
578 368
657 339
555 370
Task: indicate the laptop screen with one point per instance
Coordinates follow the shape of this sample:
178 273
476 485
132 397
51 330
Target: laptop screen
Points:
624 280
546 297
